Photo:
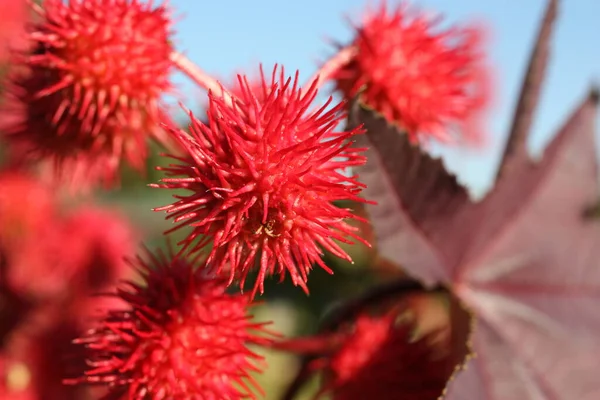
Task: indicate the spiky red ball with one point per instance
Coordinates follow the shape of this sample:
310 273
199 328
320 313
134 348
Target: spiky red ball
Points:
432 82
182 337
89 96
380 360
263 176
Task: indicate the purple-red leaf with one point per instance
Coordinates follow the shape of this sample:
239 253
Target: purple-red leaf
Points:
418 203
526 259
535 284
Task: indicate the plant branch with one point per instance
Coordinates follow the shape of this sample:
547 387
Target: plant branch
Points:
312 345
199 76
350 309
333 65
302 375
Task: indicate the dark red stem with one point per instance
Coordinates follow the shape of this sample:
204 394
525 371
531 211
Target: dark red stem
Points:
312 345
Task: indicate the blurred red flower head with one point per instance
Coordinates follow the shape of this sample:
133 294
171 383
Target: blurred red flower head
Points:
432 82
89 96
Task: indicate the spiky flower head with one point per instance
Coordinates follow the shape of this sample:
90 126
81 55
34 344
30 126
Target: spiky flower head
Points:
380 358
89 96
181 337
432 82
263 175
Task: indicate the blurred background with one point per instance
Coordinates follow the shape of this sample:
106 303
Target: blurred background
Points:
231 36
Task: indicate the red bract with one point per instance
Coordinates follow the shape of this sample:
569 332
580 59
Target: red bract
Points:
90 95
427 80
182 337
264 176
380 360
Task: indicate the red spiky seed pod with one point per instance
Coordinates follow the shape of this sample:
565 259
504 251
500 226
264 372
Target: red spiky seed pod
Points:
432 82
90 94
263 176
380 359
181 337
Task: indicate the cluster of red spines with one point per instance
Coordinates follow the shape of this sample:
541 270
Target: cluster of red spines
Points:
430 81
263 176
180 336
380 359
89 95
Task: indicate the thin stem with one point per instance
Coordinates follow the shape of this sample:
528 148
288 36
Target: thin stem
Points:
348 310
332 66
312 345
198 75
301 377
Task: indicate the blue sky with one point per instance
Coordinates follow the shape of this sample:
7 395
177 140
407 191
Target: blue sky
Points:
228 36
